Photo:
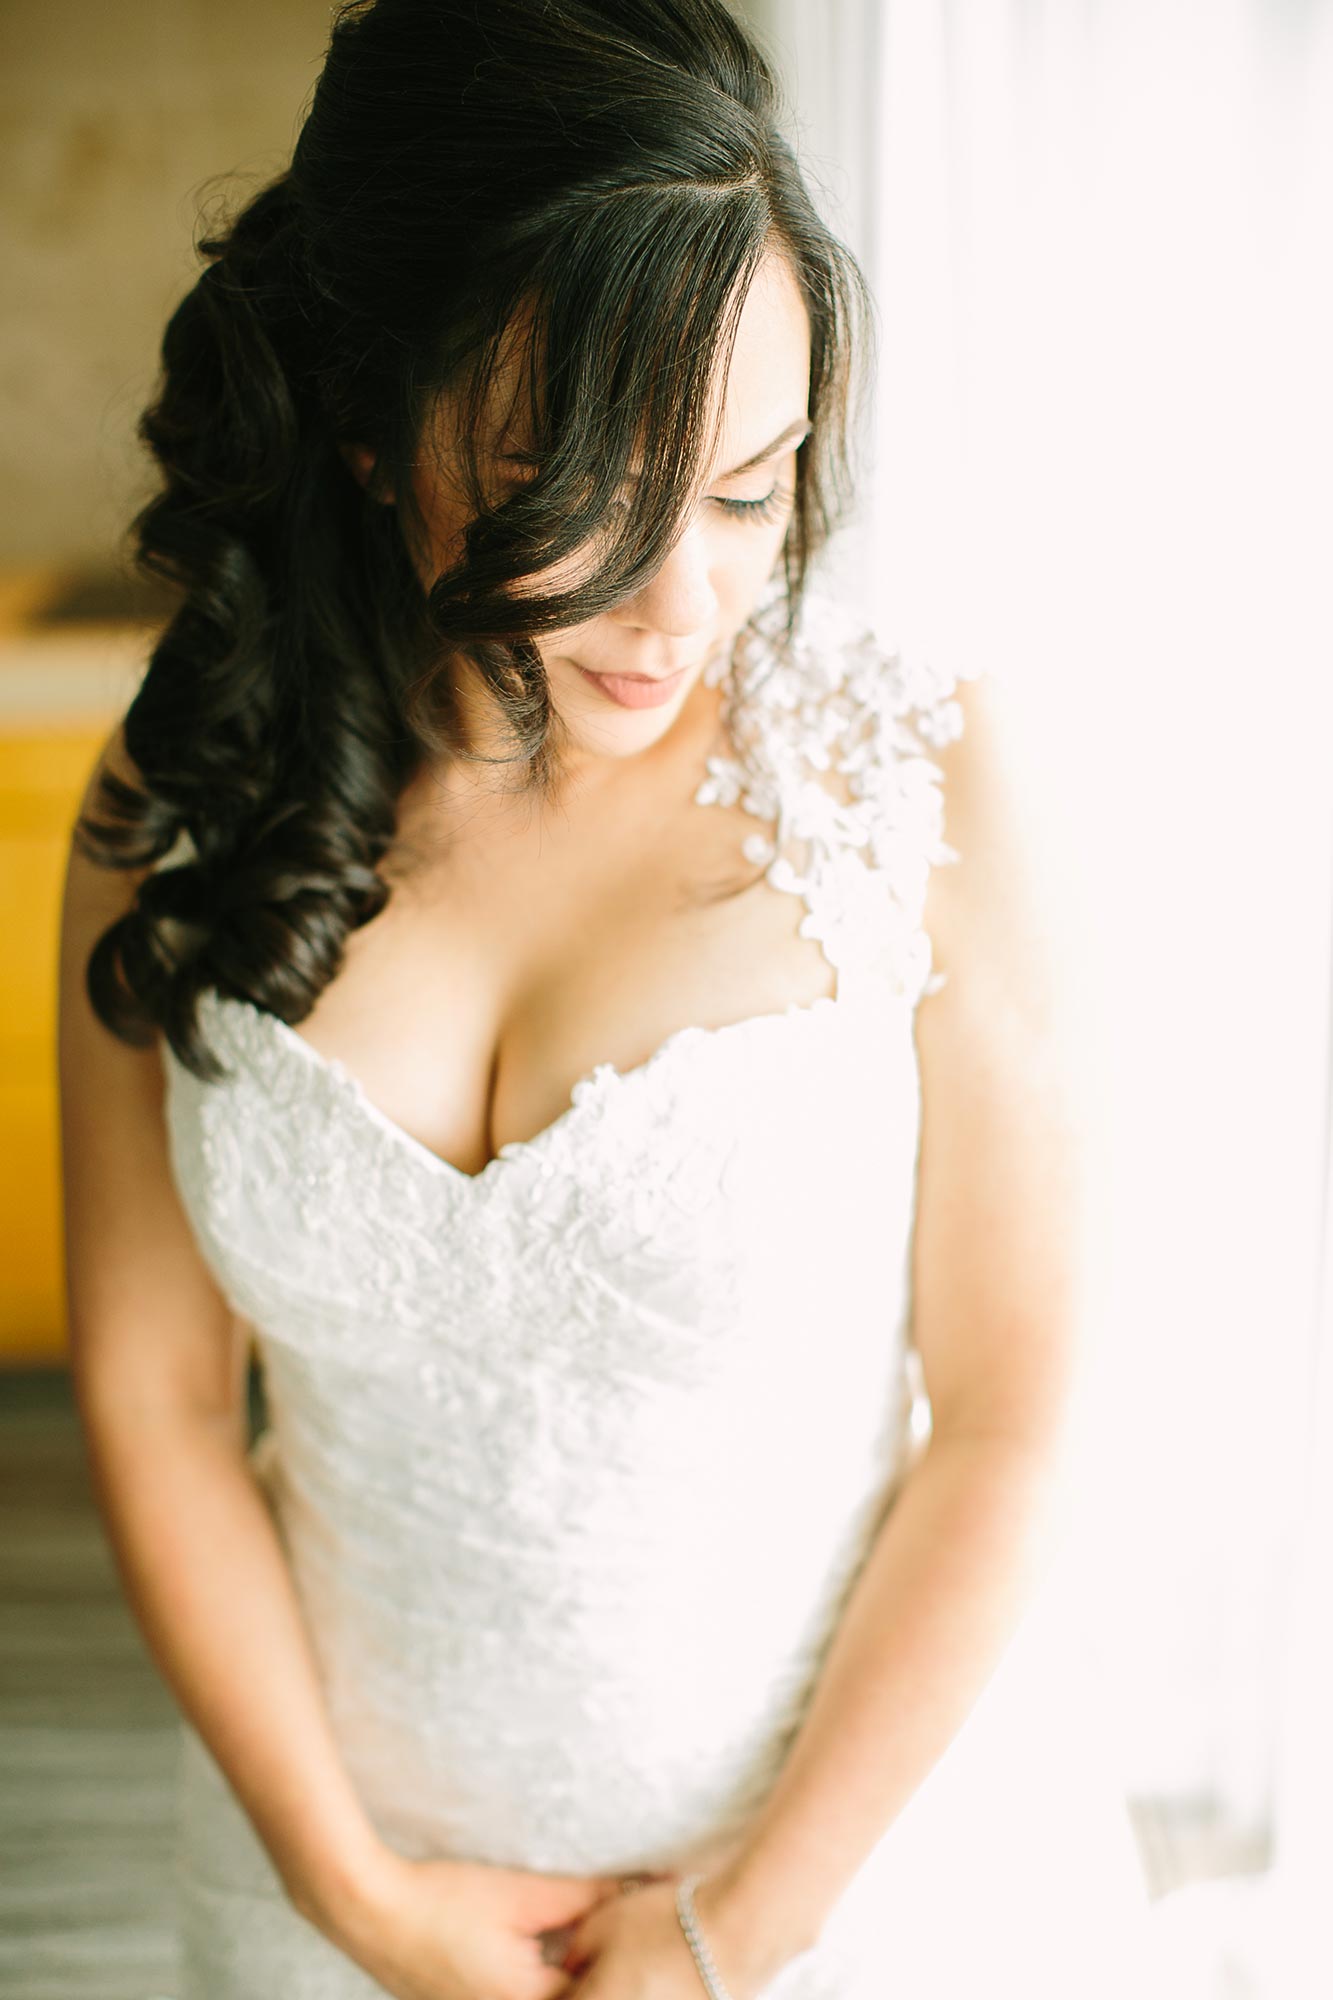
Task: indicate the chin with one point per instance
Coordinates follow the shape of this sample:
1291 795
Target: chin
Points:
620 735
600 725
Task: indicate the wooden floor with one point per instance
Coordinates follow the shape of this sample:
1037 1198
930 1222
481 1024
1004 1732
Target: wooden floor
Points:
87 1732
88 1740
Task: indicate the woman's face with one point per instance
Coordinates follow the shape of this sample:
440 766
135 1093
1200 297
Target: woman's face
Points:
618 681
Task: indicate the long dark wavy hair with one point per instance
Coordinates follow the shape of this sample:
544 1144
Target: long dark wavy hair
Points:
606 174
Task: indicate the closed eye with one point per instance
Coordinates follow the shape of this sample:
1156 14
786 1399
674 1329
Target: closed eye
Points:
770 508
767 509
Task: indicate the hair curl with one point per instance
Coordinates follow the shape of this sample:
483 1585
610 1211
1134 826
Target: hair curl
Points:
606 174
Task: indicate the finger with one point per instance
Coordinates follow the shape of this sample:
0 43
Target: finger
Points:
587 1933
563 1899
579 1951
594 1889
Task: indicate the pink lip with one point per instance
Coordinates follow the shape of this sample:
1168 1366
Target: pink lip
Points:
635 690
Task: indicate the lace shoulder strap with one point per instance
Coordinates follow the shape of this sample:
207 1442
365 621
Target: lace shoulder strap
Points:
831 733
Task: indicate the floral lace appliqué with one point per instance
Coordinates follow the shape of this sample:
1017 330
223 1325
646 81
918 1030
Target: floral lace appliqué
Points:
830 732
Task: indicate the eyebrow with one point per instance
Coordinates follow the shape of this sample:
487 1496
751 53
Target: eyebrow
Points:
800 427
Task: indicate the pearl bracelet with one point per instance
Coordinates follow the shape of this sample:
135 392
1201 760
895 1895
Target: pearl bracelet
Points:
689 1923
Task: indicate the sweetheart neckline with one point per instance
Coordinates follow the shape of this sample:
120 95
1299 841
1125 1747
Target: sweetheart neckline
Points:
756 776
601 1075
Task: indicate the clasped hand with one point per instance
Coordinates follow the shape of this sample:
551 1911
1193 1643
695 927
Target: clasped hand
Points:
440 1929
630 1946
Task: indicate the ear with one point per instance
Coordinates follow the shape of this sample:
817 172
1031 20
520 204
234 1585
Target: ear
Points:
360 462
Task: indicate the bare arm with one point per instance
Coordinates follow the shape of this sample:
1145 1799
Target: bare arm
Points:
158 1366
1002 1261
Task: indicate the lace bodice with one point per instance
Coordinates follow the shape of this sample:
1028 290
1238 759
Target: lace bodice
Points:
574 1460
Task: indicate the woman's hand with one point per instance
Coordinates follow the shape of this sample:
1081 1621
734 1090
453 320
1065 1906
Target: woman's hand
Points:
633 1948
459 1930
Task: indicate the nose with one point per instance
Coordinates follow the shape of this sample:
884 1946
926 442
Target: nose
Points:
678 599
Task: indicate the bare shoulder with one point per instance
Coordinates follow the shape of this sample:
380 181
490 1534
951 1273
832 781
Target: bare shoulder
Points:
1009 914
1009 1052
146 1320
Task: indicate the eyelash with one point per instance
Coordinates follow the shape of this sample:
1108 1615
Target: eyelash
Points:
766 509
759 512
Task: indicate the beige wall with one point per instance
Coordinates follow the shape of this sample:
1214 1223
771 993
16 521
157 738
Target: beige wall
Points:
117 119
115 116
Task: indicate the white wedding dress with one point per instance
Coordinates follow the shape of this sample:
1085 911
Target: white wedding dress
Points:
575 1461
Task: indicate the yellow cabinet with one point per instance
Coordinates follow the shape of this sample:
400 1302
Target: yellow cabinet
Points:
62 687
42 776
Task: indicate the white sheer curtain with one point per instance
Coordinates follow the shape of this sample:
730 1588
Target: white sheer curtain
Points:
1098 236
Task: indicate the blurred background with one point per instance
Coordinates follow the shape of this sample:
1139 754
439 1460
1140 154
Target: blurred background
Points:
1097 233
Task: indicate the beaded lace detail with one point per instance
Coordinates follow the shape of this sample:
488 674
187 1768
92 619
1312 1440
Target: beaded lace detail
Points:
575 1461
832 733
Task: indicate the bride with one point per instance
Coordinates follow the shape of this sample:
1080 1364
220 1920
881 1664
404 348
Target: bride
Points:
494 948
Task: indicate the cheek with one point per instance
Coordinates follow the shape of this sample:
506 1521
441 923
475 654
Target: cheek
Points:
437 544
752 548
